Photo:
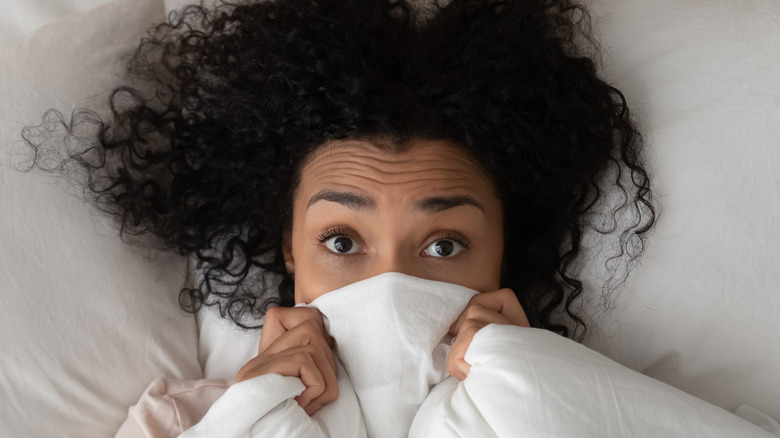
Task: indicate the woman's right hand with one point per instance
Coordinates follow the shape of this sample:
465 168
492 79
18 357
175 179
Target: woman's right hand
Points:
294 343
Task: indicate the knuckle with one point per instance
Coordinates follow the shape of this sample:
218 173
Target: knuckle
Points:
309 349
509 294
310 327
274 313
469 323
474 311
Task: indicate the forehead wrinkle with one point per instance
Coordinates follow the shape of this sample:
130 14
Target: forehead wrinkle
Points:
389 177
443 172
384 165
372 152
421 182
450 173
340 172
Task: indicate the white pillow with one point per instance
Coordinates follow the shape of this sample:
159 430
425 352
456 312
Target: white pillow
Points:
19 18
86 322
702 311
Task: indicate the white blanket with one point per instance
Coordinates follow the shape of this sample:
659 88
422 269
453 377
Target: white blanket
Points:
391 347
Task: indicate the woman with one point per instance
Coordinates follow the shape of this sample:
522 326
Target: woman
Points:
296 147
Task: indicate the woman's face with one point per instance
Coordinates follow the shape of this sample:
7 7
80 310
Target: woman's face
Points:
361 210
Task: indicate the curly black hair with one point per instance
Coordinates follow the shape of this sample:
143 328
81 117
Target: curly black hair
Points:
205 150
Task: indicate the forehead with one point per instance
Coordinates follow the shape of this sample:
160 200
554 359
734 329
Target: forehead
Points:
422 166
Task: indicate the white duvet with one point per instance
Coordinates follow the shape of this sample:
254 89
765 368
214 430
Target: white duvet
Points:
391 347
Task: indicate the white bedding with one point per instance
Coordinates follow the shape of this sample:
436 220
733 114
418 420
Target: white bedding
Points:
391 338
86 322
19 18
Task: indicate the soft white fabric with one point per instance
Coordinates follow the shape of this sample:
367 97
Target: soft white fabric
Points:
169 407
86 322
391 337
531 382
177 5
265 406
19 18
758 418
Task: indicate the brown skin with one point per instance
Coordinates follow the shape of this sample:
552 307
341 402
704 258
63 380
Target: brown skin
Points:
362 209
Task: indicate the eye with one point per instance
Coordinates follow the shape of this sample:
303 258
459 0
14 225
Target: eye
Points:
443 248
341 245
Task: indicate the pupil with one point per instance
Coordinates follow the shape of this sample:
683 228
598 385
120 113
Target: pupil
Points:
342 244
444 248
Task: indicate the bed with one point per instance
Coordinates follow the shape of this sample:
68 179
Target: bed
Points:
88 322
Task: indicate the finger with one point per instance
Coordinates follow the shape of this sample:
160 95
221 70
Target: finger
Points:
279 320
250 369
456 363
310 376
309 363
308 337
502 301
282 319
311 337
295 362
324 361
479 312
306 333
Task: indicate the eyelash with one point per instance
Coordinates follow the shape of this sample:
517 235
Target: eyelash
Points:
455 238
339 231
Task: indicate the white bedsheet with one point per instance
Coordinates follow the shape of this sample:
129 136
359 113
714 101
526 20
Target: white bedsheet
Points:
390 334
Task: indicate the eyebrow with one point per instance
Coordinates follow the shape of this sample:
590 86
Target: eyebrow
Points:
350 200
353 201
438 204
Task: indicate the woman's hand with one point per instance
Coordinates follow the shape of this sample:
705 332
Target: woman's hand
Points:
499 307
294 343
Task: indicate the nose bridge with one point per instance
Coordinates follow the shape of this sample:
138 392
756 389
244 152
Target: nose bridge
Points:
395 259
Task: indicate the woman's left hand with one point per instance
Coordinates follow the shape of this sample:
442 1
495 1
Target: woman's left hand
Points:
499 307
